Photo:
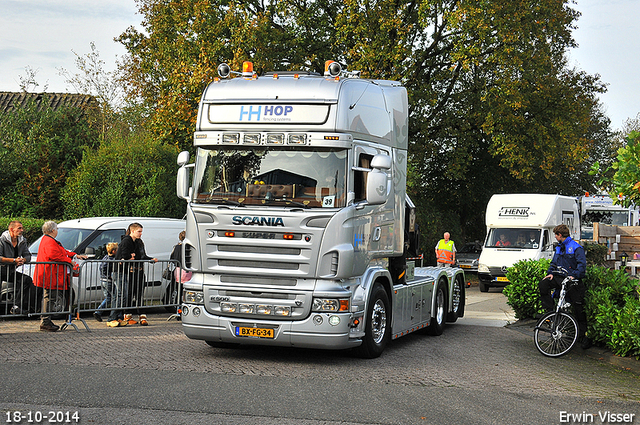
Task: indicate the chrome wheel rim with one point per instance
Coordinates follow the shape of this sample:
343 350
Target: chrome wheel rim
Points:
440 306
378 322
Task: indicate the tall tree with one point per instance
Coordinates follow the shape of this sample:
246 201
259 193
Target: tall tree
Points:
494 107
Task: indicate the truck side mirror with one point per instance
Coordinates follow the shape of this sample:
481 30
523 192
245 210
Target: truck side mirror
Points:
183 158
182 179
377 180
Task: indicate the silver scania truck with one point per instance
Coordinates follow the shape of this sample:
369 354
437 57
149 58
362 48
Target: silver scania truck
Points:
298 228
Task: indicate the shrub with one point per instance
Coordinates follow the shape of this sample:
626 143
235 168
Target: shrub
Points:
522 293
129 175
612 303
596 253
40 146
613 310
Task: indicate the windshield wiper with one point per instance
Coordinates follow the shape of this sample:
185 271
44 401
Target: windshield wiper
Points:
223 202
290 202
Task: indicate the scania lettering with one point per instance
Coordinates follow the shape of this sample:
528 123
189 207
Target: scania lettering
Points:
298 225
258 221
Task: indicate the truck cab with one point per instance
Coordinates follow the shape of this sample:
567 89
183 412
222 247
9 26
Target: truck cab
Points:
297 214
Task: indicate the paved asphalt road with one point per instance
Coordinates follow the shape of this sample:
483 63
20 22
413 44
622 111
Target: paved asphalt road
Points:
477 372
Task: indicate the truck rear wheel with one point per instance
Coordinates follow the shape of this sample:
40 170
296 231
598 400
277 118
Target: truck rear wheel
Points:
457 300
436 327
378 324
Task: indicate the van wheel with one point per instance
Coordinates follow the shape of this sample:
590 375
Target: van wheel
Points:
377 326
436 327
457 301
483 287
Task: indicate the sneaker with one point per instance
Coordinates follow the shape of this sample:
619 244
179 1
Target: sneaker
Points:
129 319
143 320
97 316
586 342
15 310
113 323
49 327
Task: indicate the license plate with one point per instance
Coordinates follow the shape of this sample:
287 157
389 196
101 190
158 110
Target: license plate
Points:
254 332
502 279
465 266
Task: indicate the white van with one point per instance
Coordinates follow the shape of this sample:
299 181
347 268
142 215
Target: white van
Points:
520 227
91 235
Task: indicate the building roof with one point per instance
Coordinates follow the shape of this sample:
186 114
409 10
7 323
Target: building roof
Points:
10 100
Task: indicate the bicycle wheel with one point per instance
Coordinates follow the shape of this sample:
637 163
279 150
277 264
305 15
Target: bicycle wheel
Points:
555 334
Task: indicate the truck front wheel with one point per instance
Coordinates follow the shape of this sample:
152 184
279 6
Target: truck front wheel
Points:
436 327
378 324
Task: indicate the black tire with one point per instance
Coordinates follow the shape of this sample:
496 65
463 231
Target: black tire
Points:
377 324
457 300
556 340
483 287
436 327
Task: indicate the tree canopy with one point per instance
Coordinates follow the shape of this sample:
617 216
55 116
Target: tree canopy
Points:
494 106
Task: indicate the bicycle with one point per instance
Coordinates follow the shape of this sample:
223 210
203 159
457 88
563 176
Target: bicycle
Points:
556 333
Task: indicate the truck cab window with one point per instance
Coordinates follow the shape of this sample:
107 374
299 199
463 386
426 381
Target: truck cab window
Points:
360 177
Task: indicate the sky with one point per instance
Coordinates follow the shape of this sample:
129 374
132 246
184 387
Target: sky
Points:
43 34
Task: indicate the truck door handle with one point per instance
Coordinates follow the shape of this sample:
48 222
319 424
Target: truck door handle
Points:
376 234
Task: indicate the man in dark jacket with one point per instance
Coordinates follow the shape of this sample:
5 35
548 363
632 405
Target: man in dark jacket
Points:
570 256
14 252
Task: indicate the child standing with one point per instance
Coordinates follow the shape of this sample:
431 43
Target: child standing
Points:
106 268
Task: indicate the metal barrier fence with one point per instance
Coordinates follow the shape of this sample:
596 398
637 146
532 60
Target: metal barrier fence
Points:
93 286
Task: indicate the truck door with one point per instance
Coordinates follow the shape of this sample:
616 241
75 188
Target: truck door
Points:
373 224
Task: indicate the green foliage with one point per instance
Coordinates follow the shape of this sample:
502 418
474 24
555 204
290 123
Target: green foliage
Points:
32 226
612 310
40 147
626 180
596 253
522 292
129 175
611 303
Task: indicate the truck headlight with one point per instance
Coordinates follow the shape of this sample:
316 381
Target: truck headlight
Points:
330 304
194 297
483 268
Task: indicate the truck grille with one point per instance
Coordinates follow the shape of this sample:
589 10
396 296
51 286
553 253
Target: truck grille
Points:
258 264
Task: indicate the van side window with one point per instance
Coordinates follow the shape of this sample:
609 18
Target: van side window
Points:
545 241
360 177
99 243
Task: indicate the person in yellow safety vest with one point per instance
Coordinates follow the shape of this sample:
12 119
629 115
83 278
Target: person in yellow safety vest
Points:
446 251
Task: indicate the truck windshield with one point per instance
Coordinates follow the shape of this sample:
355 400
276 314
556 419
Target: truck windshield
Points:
282 176
513 238
619 218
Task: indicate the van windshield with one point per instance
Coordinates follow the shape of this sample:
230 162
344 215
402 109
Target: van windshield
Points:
513 238
279 176
68 237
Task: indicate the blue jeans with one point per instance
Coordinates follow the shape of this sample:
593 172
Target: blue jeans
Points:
107 291
119 294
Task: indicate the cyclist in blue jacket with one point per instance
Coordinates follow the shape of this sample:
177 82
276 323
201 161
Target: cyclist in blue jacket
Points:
570 256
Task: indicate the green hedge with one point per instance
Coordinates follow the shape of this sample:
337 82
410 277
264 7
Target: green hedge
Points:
612 303
32 226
